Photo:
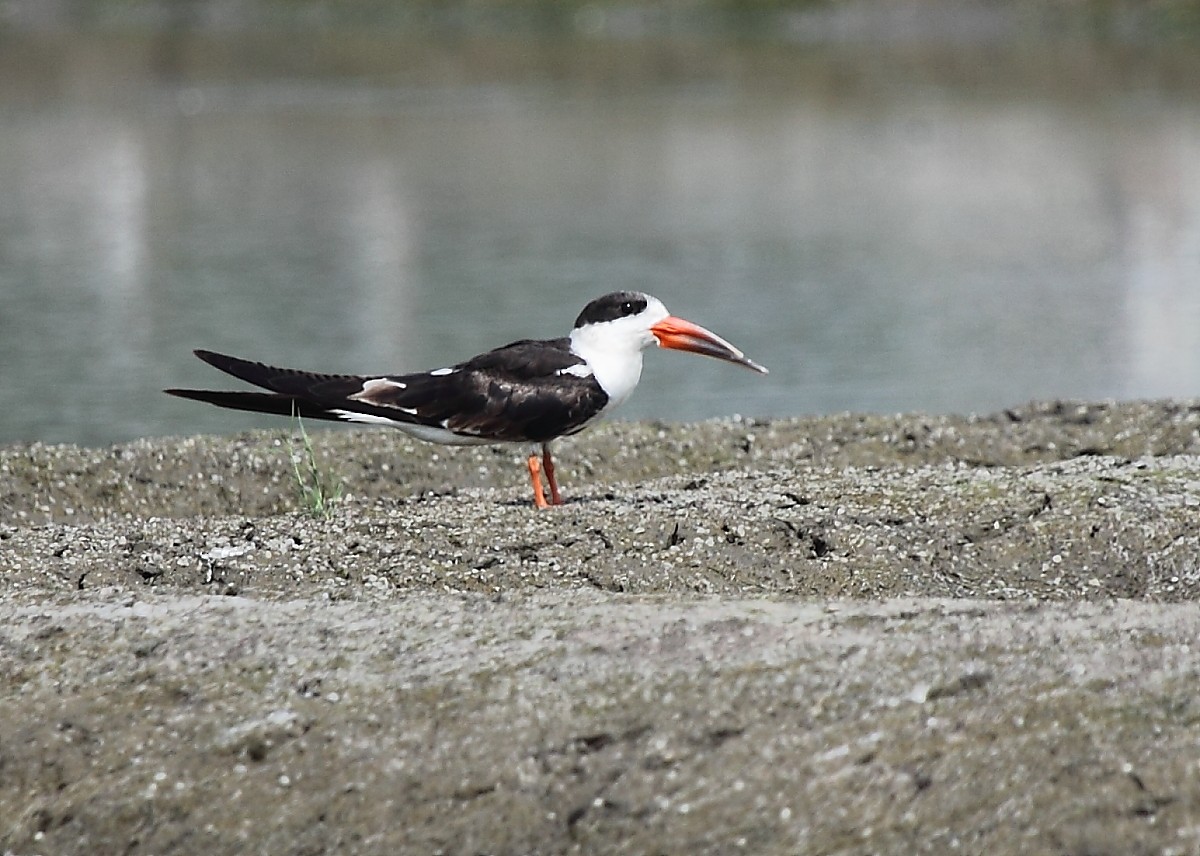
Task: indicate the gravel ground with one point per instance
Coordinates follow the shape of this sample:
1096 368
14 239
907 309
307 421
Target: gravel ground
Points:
849 634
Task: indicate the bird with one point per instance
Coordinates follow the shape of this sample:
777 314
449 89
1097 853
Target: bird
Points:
530 391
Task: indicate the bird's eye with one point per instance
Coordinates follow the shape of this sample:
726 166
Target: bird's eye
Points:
627 307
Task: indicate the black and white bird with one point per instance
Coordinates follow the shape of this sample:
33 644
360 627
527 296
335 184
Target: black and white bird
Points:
529 391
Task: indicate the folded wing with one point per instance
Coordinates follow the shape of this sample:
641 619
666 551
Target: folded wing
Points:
525 391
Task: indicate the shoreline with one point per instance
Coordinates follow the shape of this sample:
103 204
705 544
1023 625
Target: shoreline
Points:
803 635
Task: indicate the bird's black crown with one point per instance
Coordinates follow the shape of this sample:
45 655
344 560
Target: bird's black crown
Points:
610 307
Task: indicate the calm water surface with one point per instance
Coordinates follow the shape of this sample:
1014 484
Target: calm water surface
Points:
885 230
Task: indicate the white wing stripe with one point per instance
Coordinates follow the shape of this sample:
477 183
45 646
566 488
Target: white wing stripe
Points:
375 386
367 418
578 370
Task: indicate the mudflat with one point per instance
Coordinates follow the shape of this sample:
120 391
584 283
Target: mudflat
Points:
846 634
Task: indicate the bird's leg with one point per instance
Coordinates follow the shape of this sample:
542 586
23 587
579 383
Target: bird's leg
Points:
539 498
548 462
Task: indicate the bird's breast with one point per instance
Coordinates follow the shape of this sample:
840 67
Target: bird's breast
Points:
617 375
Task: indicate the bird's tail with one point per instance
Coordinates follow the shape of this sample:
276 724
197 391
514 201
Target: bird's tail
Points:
276 379
292 391
258 402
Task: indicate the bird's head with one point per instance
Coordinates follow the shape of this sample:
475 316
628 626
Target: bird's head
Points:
632 321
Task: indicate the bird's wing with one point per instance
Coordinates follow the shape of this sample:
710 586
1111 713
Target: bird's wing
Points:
525 391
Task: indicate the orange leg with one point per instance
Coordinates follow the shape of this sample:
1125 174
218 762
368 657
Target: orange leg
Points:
548 462
539 498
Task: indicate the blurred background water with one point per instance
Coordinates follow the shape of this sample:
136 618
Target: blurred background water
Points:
895 206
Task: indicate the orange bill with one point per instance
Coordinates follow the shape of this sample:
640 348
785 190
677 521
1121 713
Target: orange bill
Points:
681 335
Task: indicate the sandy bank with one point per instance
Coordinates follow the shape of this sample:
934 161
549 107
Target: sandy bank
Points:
848 634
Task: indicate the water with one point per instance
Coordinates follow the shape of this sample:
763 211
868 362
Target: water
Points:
955 226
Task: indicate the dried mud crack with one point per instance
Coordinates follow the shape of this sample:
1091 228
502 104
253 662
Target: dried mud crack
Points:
851 634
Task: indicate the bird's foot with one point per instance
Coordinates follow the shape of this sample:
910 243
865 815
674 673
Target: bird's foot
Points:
535 475
548 464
